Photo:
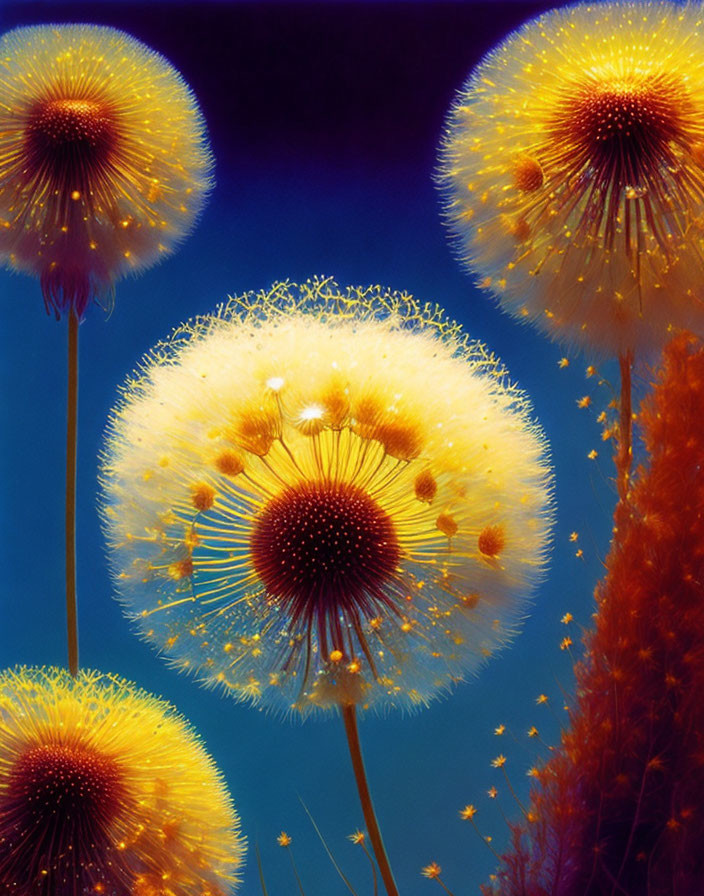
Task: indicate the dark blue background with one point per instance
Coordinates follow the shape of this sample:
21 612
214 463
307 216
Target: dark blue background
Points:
324 120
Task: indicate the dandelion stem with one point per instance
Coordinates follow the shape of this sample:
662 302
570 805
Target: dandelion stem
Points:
444 886
371 862
483 838
624 451
70 524
295 871
349 716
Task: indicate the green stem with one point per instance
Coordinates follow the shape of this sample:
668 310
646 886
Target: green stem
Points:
260 869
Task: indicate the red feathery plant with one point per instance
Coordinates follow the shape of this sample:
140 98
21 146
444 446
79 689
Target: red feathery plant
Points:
618 809
104 168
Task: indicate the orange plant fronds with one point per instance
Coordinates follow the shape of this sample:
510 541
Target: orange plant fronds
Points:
620 806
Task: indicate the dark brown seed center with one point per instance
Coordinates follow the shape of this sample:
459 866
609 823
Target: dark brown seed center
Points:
324 547
67 137
65 782
55 817
625 130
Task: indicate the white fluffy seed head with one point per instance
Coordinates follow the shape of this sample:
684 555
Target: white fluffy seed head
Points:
385 418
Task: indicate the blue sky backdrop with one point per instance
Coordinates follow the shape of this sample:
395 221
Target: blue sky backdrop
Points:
324 120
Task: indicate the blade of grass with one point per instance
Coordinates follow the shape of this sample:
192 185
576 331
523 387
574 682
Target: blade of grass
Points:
265 892
327 849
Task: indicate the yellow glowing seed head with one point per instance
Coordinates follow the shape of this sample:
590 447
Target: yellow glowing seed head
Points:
310 567
105 163
571 168
105 789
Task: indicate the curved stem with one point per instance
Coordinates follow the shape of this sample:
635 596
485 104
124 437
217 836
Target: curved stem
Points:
371 862
349 716
624 453
70 524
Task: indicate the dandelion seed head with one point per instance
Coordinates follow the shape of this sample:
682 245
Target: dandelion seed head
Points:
104 788
571 168
105 159
374 559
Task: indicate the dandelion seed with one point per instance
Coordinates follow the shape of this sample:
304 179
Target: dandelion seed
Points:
467 814
359 839
431 871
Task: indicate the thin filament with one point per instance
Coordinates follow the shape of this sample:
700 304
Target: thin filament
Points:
70 524
624 452
295 872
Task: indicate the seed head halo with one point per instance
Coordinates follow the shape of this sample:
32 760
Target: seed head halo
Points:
572 175
106 789
105 162
320 496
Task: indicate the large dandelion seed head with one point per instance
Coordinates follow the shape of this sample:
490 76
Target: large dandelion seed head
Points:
104 164
573 173
322 496
106 789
